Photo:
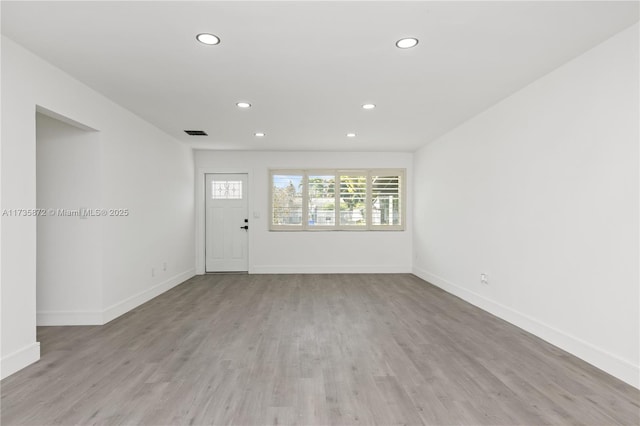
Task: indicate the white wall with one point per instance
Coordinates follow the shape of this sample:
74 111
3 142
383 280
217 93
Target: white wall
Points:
151 174
69 261
307 252
142 169
541 193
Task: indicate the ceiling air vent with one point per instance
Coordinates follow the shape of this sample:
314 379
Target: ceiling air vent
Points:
196 132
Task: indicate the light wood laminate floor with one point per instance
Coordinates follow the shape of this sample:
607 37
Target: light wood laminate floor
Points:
309 350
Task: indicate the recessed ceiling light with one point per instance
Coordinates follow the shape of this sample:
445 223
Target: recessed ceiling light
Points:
406 43
368 106
259 134
243 105
208 38
351 135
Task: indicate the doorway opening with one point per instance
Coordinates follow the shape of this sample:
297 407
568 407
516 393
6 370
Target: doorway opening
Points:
68 242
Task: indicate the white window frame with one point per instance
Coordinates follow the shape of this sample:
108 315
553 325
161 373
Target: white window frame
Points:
369 226
294 172
305 200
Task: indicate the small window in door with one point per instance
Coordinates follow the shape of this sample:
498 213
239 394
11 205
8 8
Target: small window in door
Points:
226 189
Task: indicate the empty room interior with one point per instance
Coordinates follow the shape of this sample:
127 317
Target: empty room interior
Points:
314 213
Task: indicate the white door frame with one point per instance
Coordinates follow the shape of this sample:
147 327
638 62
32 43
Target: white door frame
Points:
226 243
200 195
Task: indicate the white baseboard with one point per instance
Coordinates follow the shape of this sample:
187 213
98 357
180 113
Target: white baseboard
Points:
124 306
19 359
49 318
329 269
612 364
28 355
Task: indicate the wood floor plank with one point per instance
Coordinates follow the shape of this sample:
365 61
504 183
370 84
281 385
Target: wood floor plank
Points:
340 349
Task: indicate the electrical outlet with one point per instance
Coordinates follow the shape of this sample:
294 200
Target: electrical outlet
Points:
484 279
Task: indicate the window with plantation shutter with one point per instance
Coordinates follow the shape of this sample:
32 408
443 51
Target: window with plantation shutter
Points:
385 200
337 200
287 199
353 200
322 200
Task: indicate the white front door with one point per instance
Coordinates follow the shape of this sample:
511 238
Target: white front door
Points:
227 225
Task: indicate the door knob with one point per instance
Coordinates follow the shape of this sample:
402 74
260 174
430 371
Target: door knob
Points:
244 227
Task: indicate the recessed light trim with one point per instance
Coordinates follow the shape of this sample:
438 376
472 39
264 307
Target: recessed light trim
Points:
259 134
407 43
351 135
368 106
243 105
206 38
